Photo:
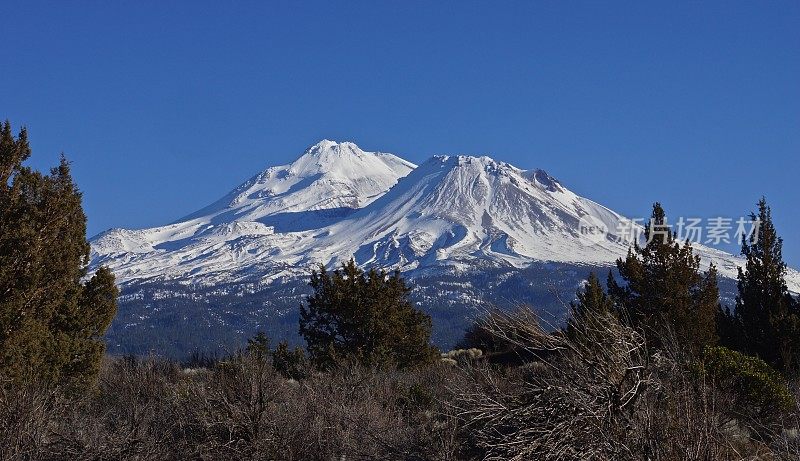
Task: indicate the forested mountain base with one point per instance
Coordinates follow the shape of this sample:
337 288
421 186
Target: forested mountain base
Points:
218 320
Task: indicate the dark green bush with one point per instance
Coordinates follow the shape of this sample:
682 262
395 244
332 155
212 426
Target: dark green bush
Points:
756 392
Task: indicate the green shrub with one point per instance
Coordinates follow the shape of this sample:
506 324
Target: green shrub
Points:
756 392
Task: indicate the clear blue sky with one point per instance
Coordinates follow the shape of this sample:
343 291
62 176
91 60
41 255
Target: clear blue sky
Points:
165 106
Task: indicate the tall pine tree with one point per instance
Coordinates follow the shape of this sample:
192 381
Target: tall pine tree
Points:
51 320
665 293
765 311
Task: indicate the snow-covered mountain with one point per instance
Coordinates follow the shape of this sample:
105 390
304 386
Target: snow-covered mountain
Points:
337 201
451 215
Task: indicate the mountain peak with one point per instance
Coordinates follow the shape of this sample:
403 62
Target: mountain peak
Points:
328 175
346 160
468 161
487 165
327 146
476 165
324 156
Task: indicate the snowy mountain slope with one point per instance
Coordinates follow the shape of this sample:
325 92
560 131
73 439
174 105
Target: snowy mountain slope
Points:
337 202
460 208
329 181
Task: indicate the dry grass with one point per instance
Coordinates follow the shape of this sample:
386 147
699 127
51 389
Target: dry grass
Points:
239 409
597 395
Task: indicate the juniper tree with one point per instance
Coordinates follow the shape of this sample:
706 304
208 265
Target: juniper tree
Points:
764 308
51 318
591 300
665 293
367 317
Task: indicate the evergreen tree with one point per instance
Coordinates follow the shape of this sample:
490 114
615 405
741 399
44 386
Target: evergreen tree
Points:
729 330
764 308
51 321
291 363
665 292
592 300
363 316
258 345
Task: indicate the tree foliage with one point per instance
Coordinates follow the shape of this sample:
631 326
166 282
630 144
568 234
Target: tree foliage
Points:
665 291
363 316
291 363
258 345
765 311
51 318
591 301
